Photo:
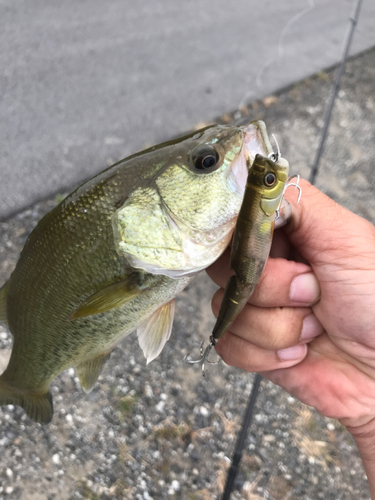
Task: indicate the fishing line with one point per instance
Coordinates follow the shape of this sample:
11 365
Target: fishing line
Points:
280 45
237 455
280 51
291 21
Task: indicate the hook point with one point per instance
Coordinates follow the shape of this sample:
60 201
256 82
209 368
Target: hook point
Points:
204 355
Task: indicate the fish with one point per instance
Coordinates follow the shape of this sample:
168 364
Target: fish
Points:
111 258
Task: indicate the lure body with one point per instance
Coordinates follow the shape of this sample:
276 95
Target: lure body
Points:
252 237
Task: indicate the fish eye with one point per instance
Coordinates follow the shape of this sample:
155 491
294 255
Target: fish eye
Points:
269 179
204 157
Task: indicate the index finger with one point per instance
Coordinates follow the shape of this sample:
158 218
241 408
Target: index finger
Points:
283 283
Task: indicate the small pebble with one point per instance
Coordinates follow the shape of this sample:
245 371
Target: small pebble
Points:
203 411
268 438
160 406
175 485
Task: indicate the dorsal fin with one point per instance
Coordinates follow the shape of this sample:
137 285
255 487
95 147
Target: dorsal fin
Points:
156 330
109 297
89 370
3 303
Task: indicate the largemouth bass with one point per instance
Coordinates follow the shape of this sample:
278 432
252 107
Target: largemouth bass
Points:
112 257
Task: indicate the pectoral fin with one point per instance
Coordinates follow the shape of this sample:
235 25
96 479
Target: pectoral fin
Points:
114 295
156 330
3 303
89 370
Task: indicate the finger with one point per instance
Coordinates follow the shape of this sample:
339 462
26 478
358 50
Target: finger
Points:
328 383
281 246
220 270
285 214
273 328
236 351
322 230
283 283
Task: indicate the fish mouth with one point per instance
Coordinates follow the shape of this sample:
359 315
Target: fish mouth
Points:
255 141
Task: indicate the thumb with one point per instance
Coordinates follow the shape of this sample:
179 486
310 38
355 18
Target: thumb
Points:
323 231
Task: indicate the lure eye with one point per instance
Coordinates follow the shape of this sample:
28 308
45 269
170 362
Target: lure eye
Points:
205 157
269 179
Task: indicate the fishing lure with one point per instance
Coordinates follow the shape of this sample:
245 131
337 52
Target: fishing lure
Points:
265 187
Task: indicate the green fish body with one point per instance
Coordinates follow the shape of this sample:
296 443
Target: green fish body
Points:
112 257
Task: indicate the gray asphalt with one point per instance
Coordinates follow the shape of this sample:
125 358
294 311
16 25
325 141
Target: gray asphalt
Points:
83 84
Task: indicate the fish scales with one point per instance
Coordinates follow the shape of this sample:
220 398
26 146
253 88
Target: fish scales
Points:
74 244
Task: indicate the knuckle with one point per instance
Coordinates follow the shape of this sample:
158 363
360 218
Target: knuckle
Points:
285 328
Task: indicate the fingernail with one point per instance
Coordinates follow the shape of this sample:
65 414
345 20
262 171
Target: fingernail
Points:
295 352
305 288
311 327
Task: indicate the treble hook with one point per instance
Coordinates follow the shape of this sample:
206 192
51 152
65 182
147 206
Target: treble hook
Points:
295 184
204 355
288 184
275 158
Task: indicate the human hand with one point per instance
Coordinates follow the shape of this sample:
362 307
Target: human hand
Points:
310 328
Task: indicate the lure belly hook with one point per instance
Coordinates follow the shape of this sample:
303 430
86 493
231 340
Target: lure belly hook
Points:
204 355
